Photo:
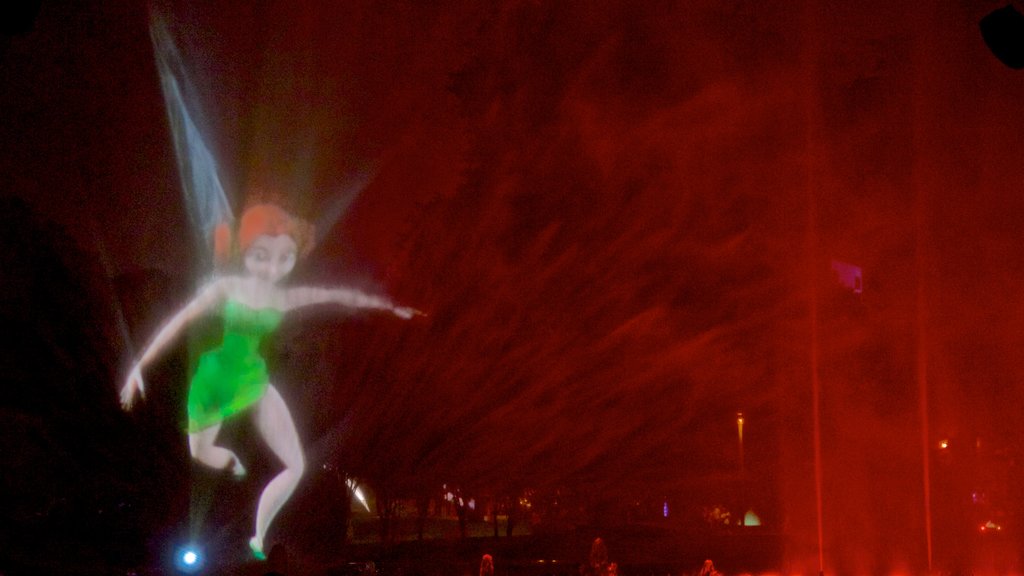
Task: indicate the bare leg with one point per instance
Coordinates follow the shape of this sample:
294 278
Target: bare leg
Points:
202 448
276 426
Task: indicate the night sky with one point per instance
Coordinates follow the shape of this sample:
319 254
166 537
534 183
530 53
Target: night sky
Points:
619 218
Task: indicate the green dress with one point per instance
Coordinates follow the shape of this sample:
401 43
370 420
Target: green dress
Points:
233 377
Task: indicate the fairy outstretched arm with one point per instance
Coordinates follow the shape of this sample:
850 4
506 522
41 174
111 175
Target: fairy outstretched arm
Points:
348 297
206 299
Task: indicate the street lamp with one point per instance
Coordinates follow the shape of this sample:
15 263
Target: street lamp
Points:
739 430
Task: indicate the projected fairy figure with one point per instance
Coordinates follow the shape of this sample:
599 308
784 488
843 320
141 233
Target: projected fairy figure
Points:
232 379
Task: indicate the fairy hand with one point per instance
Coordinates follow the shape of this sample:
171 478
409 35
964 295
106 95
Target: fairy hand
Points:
405 312
132 385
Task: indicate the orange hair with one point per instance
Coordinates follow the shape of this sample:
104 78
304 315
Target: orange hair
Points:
261 219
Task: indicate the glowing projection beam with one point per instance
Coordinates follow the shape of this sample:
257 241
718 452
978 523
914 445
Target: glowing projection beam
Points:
358 493
340 202
205 201
204 195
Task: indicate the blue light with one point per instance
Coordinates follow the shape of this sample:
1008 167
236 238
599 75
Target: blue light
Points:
189 559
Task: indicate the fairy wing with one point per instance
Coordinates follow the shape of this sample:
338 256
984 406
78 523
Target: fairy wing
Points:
204 195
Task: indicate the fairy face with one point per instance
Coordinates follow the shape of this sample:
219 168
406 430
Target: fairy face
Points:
271 258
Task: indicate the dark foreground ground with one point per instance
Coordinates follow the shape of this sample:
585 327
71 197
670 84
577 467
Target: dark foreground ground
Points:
637 551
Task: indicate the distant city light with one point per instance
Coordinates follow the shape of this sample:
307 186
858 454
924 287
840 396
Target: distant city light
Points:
990 526
751 519
943 444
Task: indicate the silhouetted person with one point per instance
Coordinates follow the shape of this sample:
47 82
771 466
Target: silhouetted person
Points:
487 565
708 569
597 565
